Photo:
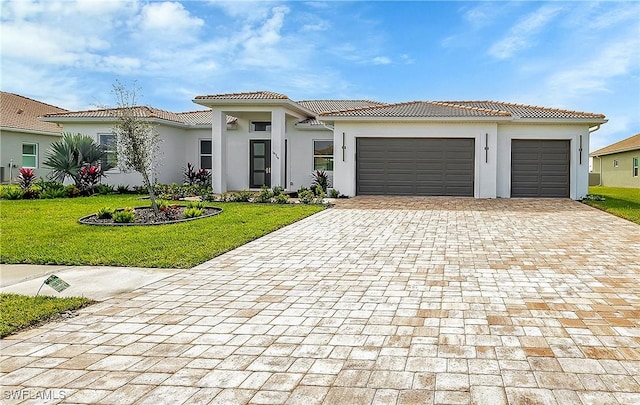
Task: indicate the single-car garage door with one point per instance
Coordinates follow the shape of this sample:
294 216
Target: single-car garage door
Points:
415 166
540 168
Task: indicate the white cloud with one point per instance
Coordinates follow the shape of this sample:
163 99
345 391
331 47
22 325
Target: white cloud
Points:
522 35
587 79
170 18
381 60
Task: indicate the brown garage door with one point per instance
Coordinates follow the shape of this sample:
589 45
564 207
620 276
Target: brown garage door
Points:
540 168
415 166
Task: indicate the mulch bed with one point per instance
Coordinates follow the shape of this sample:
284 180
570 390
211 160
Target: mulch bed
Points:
146 216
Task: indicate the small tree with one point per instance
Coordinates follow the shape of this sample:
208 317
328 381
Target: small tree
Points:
137 142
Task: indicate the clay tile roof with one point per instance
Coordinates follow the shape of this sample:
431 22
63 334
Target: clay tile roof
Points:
527 111
202 117
22 113
631 143
323 106
140 111
419 109
256 95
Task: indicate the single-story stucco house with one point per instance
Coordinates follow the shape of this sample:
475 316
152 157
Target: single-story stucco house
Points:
24 138
617 165
481 149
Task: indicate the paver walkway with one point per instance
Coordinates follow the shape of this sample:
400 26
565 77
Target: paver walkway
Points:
406 301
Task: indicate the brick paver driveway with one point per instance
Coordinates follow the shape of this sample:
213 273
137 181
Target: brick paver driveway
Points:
390 300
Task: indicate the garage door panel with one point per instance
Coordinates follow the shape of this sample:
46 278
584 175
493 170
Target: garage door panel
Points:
415 166
540 168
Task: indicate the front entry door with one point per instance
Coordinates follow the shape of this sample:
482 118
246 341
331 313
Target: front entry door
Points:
260 163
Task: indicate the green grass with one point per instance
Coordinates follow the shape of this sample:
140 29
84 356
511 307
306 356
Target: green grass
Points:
19 311
48 232
621 202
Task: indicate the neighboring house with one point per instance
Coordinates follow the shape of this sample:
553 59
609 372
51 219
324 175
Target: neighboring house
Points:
24 139
617 165
481 149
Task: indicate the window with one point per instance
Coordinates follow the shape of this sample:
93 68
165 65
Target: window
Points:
615 163
30 155
205 154
323 155
635 167
108 142
261 126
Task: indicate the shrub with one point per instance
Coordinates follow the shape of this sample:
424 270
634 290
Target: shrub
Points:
195 204
53 193
241 196
105 213
104 189
49 185
281 199
320 179
203 178
12 193
264 196
333 193
125 216
26 178
170 211
33 192
88 178
189 175
318 192
277 190
306 196
192 212
123 189
71 191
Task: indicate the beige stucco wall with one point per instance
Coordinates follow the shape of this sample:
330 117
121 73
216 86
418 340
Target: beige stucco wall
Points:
621 176
11 148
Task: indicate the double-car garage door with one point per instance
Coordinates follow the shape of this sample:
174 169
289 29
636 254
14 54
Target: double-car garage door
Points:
445 167
415 166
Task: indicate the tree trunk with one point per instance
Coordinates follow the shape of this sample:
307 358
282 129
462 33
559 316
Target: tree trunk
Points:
152 194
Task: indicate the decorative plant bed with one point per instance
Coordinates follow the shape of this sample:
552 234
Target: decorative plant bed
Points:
145 216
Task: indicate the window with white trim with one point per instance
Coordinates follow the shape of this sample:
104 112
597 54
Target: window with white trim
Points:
206 157
635 167
108 142
30 155
615 163
261 126
323 155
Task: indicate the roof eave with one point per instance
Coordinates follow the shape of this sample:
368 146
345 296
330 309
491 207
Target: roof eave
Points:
30 131
94 120
417 119
290 104
591 121
631 149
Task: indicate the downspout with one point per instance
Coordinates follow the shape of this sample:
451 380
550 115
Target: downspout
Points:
592 130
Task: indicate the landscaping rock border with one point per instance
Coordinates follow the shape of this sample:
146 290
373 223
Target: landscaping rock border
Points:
145 217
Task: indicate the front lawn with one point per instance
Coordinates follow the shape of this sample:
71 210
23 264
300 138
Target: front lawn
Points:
622 202
19 311
48 232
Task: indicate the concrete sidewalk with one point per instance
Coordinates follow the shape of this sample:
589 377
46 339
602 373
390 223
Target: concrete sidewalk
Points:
96 282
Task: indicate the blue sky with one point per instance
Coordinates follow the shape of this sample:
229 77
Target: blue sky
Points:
576 55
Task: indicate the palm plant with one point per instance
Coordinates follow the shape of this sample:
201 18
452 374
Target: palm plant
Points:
68 156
